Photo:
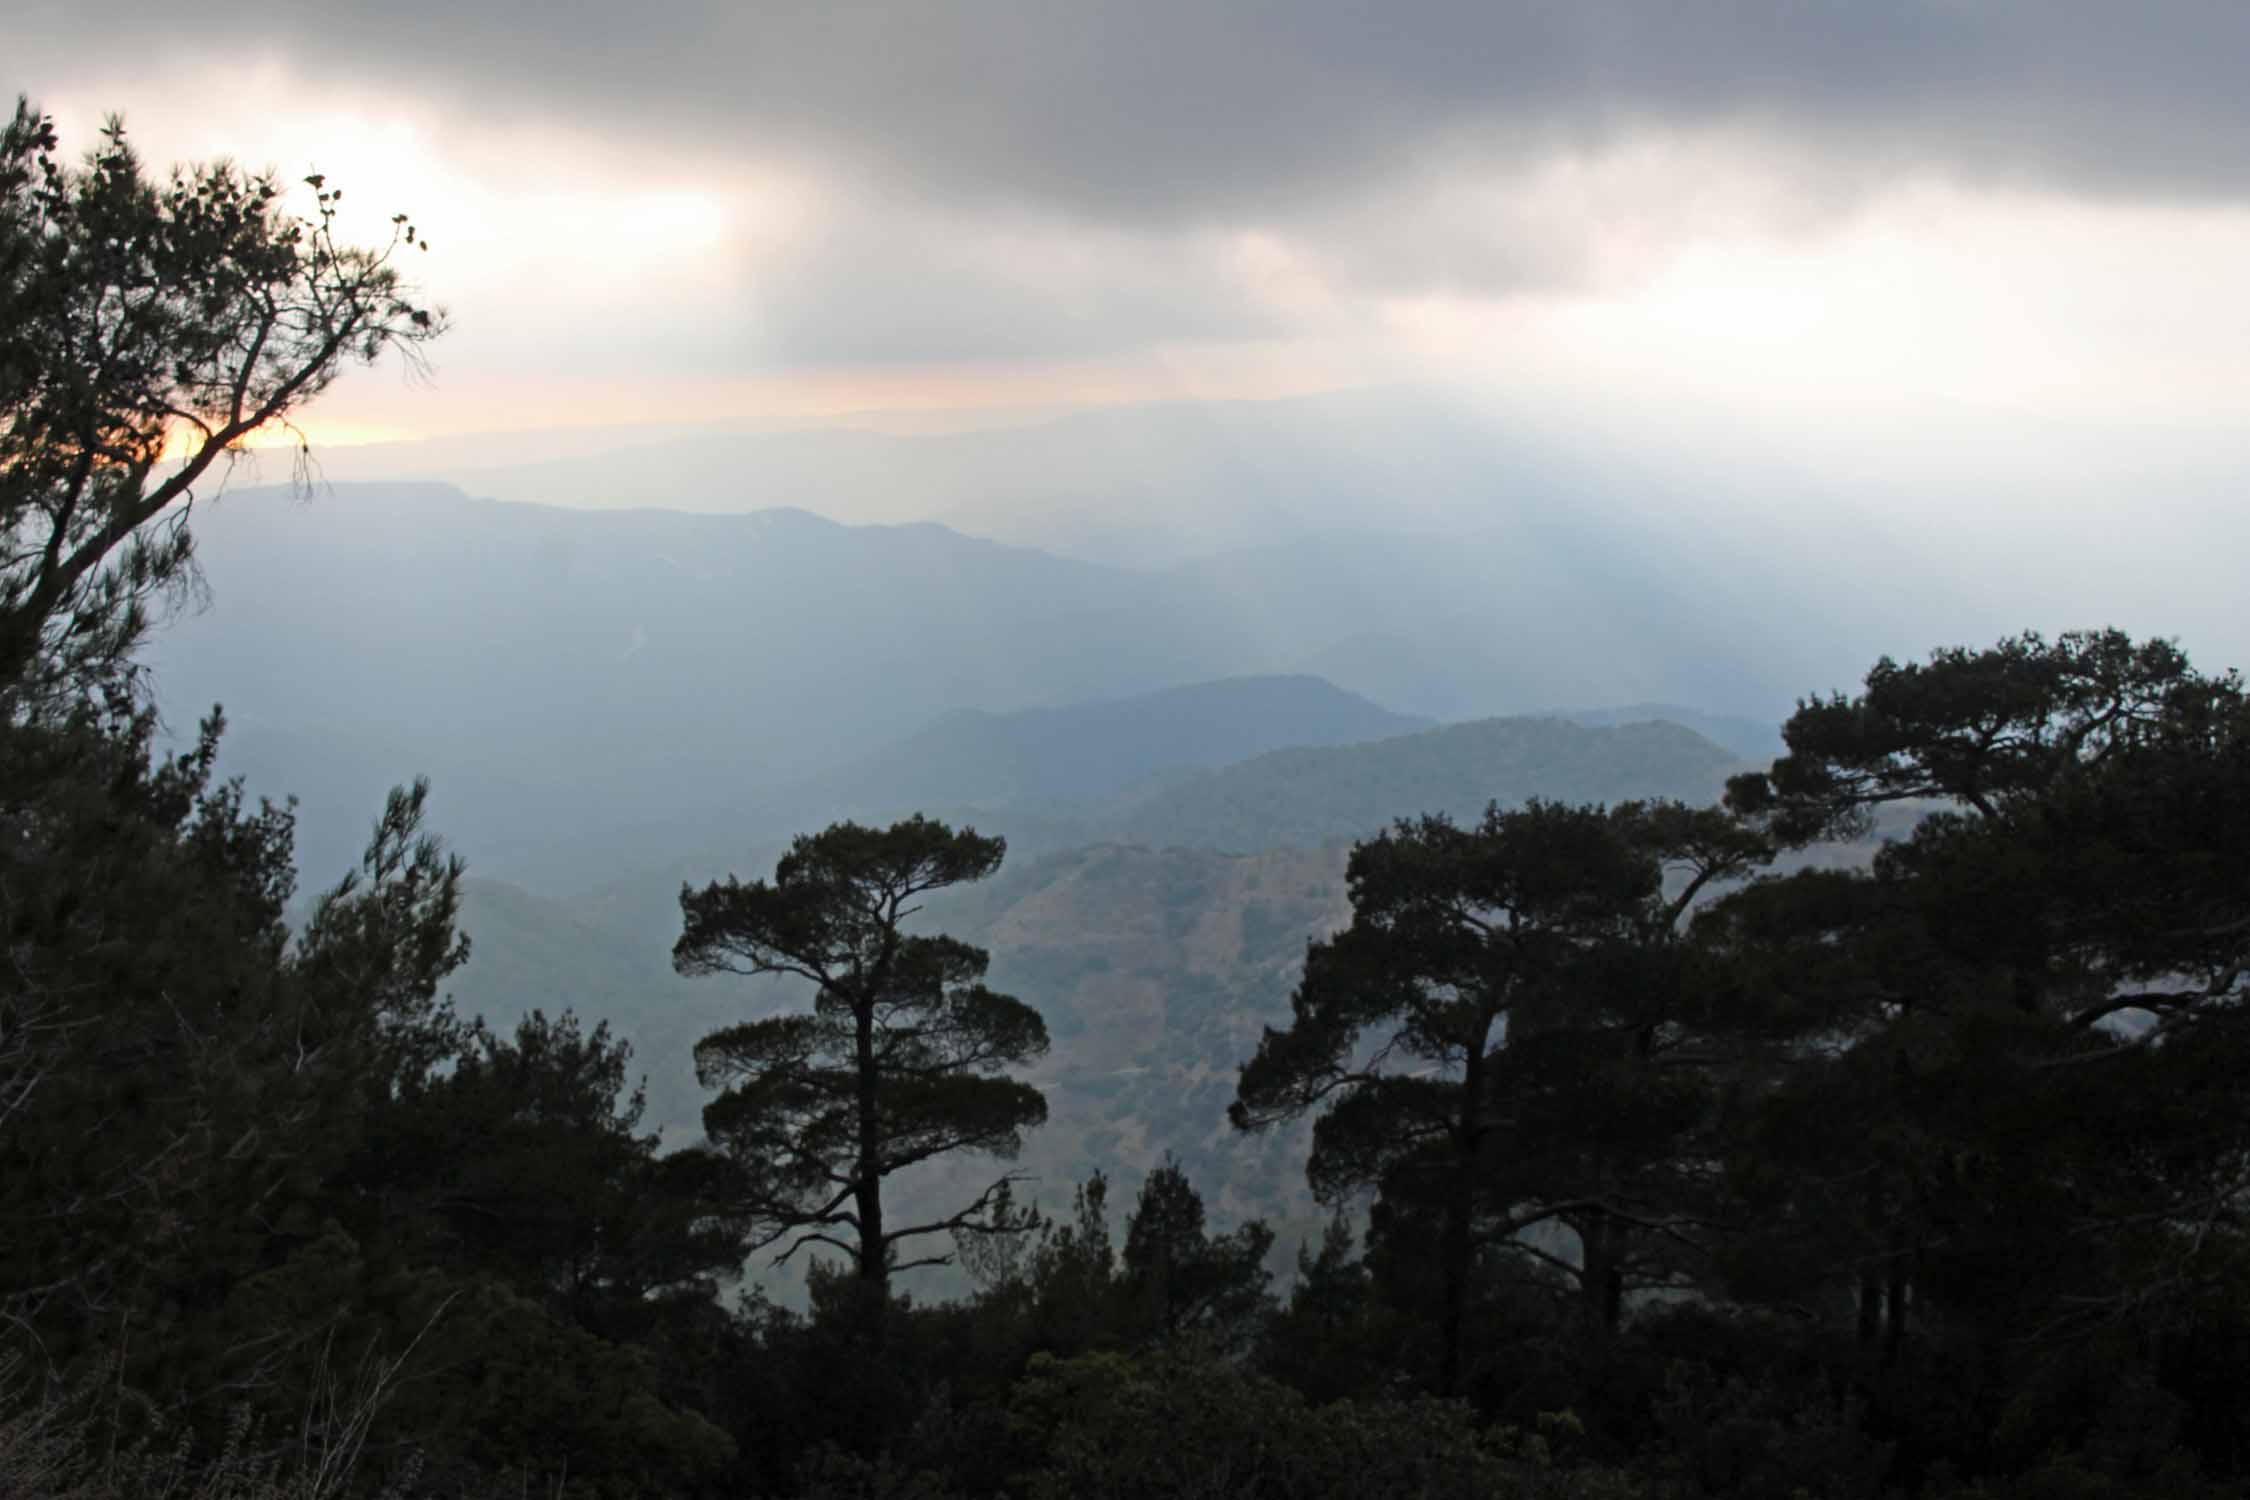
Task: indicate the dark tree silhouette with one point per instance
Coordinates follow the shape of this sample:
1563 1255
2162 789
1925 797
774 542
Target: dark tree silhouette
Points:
898 1062
1984 730
1180 1278
2006 1014
1494 981
146 329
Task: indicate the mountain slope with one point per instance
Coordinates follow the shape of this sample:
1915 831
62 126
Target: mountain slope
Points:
1310 796
597 690
1090 753
1754 740
624 667
1149 483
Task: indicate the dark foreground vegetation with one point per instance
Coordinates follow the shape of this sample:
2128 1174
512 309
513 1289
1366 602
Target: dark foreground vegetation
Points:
1654 1174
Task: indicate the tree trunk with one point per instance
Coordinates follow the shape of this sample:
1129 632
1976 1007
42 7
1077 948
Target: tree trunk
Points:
874 1254
1894 1323
1871 1288
1454 1254
1601 1285
1456 1250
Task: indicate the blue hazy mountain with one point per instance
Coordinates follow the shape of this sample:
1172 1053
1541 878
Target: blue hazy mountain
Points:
591 689
1083 755
611 669
1310 796
1756 741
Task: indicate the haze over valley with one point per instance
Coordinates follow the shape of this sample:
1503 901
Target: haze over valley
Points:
1451 578
1263 659
1177 790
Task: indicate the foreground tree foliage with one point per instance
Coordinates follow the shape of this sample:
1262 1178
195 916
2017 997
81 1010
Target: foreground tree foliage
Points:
146 329
171 1058
215 1276
245 1170
1181 1423
1504 1038
1181 1279
524 1161
899 1062
2016 1143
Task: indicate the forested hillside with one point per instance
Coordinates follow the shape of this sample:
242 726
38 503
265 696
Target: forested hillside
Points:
1084 758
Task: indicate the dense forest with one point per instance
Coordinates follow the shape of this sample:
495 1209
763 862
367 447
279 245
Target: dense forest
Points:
1661 1151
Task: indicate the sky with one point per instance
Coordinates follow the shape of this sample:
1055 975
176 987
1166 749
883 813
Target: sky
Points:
686 211
1963 280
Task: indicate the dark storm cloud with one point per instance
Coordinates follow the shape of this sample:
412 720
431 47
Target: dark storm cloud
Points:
1164 112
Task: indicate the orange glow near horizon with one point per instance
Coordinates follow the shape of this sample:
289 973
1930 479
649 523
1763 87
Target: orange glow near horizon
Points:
921 397
183 441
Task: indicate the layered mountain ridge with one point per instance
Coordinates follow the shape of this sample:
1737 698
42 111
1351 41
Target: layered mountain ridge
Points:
577 677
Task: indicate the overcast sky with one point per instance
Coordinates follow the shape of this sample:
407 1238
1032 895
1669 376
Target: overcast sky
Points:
674 211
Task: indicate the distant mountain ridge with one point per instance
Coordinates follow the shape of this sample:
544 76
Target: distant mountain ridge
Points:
1148 483
1306 797
1083 755
1301 795
624 667
1756 740
618 683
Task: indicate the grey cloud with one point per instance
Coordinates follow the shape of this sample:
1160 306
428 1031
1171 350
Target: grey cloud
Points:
1162 112
1059 178
886 285
902 288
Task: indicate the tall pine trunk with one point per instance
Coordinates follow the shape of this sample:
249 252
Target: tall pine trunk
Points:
1456 1246
1601 1285
1454 1254
874 1257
